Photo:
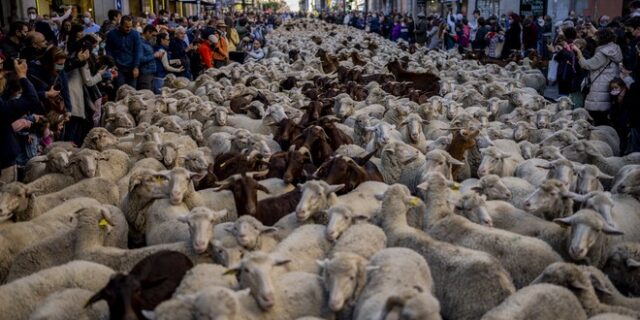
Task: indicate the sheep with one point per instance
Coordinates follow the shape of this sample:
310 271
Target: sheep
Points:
398 159
58 248
622 267
588 179
573 278
549 201
64 304
607 292
151 281
523 257
139 166
303 246
293 295
111 165
55 161
99 139
626 181
397 272
252 234
412 134
199 222
559 303
15 237
350 236
608 165
21 297
495 161
383 134
202 276
14 195
229 305
453 268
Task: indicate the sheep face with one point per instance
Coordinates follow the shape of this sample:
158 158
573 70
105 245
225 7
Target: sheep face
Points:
57 160
315 197
521 131
340 219
629 183
254 272
588 177
473 207
121 293
413 305
194 128
196 161
149 184
86 161
493 188
414 128
381 133
543 118
296 160
623 268
440 161
180 182
546 199
150 149
566 275
439 144
221 116
492 162
169 154
200 221
227 252
248 230
549 153
343 275
586 229
599 201
100 139
13 197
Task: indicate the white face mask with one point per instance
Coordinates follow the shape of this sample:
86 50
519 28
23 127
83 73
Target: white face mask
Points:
615 92
33 16
541 22
86 20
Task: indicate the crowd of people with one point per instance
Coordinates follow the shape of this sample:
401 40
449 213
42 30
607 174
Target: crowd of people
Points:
594 62
57 71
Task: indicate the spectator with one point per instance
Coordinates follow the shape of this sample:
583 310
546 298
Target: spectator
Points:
568 67
397 28
421 29
112 22
162 60
465 34
37 24
13 44
634 8
480 41
529 34
374 23
474 24
123 44
89 25
179 49
75 35
622 106
35 47
206 53
63 34
435 35
10 111
411 29
602 68
242 28
232 35
512 41
256 53
148 58
220 48
49 78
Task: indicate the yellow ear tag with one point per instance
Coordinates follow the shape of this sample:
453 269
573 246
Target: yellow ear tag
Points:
456 186
223 164
103 223
159 179
414 201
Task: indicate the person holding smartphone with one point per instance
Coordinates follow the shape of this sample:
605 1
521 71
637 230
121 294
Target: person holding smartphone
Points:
10 111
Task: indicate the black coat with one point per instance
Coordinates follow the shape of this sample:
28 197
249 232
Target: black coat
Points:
10 111
511 40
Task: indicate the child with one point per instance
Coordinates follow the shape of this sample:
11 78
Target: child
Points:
46 134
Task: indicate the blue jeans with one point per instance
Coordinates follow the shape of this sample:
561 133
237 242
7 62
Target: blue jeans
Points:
125 77
634 141
157 85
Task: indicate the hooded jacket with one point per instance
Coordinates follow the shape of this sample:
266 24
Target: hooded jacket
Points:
602 68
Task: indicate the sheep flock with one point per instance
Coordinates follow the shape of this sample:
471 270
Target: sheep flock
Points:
342 177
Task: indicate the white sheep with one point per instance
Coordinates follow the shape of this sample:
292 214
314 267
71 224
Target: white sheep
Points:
202 276
21 297
66 304
349 235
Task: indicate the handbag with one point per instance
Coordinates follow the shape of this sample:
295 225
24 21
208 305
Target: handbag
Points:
585 86
552 74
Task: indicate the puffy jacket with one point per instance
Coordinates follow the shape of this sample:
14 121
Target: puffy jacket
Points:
602 67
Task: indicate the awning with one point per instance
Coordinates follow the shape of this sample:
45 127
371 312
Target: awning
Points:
202 2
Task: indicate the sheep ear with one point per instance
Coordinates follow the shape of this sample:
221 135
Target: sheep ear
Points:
263 188
372 268
564 222
232 271
360 217
149 314
545 166
394 301
632 263
334 188
153 282
476 189
268 230
604 176
322 263
608 229
598 284
183 219
95 298
578 285
379 196
281 261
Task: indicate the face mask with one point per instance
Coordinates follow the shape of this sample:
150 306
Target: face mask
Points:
32 16
103 45
59 67
615 92
541 22
94 51
139 29
86 20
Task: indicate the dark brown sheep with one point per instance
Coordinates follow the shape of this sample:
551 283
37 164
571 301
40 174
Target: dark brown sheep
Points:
228 164
421 81
271 210
151 281
344 170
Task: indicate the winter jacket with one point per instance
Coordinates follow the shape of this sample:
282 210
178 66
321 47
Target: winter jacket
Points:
421 31
11 111
511 40
125 48
206 55
374 24
602 67
147 61
395 32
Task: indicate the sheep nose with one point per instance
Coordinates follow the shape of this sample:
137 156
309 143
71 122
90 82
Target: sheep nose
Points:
331 236
487 222
287 178
335 305
577 252
527 205
267 300
509 195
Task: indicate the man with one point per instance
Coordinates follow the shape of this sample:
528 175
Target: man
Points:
123 44
13 44
37 24
89 25
35 47
112 23
147 61
421 29
634 8
10 111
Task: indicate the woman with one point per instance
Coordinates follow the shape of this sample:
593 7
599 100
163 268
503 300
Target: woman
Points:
63 35
10 111
480 41
602 68
622 106
512 37
256 53
73 41
162 62
232 35
49 78
82 90
395 32
435 34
